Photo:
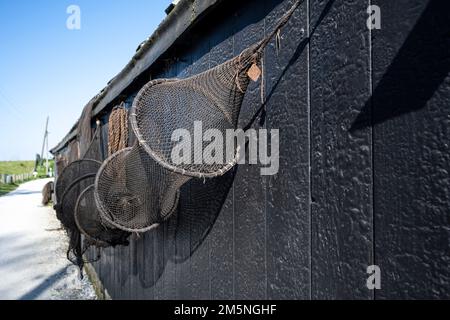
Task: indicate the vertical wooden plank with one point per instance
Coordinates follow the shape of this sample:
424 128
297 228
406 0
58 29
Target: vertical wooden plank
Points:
221 237
159 264
107 275
183 232
133 256
200 255
411 146
120 263
250 273
159 254
169 276
108 262
341 167
146 266
288 197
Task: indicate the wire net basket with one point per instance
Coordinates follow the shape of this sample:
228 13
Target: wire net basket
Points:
133 192
66 216
210 101
73 171
89 221
212 98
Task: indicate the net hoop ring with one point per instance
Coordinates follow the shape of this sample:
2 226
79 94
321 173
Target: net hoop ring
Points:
103 211
140 139
66 168
77 222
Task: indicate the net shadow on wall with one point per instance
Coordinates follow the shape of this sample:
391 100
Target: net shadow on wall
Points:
200 206
186 230
403 89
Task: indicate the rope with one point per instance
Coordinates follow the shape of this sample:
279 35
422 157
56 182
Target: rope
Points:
118 129
281 23
260 48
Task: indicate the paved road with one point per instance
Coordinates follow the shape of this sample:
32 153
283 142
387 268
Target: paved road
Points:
33 248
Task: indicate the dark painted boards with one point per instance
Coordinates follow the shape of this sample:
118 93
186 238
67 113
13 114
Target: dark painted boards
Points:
287 202
363 118
341 161
411 108
250 272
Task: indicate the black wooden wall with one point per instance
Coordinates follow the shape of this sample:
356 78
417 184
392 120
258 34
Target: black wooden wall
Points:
364 163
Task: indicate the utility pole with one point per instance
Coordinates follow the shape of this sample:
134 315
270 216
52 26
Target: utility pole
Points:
45 143
46 155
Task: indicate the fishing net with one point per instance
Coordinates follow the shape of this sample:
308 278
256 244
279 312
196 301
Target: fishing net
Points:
117 129
69 200
67 218
84 128
89 221
211 100
73 151
72 180
209 103
133 192
137 188
89 164
71 172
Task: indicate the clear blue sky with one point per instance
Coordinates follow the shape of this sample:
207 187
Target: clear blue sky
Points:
47 69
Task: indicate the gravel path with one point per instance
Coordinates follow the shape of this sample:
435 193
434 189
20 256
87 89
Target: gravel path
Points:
33 246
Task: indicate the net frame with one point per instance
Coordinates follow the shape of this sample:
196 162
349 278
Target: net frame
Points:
220 90
106 211
243 80
90 238
233 75
61 185
107 228
61 214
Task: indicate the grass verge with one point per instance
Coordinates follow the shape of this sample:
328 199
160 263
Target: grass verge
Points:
6 188
16 167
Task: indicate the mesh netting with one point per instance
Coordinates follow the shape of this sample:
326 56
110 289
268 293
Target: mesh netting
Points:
133 192
69 200
211 99
67 218
89 221
84 128
73 151
73 171
137 188
73 179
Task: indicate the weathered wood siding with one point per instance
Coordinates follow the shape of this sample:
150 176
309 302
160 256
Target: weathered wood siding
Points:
364 119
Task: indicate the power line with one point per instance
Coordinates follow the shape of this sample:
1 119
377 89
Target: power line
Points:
11 107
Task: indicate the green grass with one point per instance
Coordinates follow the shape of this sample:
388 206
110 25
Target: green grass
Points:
5 188
19 167
41 169
16 167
